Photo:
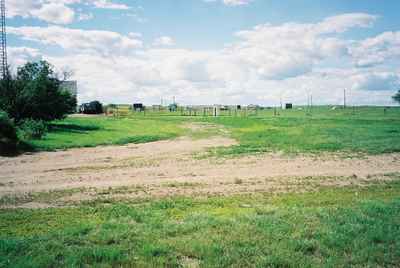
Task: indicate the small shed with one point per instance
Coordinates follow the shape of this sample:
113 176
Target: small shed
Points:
139 107
94 107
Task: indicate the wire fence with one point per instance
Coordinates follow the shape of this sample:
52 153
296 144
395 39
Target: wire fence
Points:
247 111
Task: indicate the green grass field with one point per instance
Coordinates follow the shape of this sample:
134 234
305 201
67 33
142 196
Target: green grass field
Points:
363 130
93 131
331 228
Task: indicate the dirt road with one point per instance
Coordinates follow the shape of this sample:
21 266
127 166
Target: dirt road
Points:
169 168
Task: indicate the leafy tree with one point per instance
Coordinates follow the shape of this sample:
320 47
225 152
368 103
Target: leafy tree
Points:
397 97
8 134
35 92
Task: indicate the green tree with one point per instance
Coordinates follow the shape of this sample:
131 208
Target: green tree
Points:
8 134
397 97
35 92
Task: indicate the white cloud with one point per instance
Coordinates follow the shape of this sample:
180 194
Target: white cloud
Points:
236 2
21 8
164 41
377 81
377 50
263 64
344 22
293 49
20 55
107 4
102 42
85 16
137 17
233 2
49 11
56 11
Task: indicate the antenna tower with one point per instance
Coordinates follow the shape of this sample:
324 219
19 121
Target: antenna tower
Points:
3 40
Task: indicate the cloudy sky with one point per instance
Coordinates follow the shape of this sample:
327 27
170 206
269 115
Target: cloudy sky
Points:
214 51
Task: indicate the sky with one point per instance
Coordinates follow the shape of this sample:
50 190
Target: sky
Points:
214 51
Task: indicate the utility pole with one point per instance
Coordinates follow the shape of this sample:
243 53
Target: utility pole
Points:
309 103
344 98
3 40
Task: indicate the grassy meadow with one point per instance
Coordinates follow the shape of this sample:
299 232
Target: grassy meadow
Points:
333 227
361 130
330 227
99 130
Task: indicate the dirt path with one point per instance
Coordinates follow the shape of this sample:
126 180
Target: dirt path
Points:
168 167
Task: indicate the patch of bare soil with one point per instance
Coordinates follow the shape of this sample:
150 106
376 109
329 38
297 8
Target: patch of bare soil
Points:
166 168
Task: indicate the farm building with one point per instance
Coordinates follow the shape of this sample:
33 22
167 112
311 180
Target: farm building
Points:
138 107
288 106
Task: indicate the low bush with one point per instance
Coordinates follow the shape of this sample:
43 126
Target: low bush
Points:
8 134
32 129
396 97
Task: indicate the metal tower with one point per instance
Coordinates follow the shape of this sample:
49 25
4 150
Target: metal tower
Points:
3 40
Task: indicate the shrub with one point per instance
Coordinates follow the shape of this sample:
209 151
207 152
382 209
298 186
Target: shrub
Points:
8 134
32 129
397 97
35 92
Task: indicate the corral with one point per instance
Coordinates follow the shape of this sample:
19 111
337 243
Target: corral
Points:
125 110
